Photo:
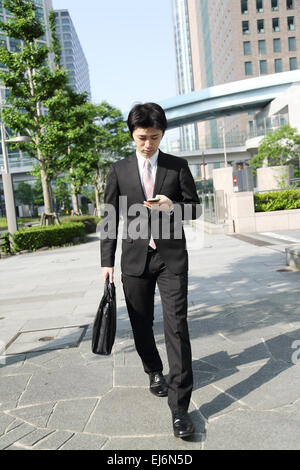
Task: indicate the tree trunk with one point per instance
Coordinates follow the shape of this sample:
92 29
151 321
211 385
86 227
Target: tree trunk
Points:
98 206
76 210
49 217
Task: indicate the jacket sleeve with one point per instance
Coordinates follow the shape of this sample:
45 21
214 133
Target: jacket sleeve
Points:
190 205
110 220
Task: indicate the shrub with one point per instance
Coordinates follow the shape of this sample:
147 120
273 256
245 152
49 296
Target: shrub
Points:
56 235
277 200
90 222
4 243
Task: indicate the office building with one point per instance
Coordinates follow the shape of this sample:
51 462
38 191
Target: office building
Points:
72 57
185 80
233 40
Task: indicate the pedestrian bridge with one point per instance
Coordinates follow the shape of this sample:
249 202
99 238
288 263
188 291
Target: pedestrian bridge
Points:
246 95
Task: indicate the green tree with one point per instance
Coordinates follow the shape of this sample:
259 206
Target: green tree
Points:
33 87
37 193
62 195
113 142
100 140
280 147
24 194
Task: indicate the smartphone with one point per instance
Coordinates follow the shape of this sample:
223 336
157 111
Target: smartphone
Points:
153 199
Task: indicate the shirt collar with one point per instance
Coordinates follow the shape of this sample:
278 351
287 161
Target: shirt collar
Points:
153 159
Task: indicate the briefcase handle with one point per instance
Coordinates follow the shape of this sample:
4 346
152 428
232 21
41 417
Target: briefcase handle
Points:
109 289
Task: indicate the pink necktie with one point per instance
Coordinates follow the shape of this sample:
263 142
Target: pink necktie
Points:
149 188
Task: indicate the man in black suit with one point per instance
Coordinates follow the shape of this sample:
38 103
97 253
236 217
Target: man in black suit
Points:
154 252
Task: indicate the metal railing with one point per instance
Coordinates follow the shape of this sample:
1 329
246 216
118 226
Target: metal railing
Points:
213 206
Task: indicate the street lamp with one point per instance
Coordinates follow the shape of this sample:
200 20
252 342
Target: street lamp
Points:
224 144
7 181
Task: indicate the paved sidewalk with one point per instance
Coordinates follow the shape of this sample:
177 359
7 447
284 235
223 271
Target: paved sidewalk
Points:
244 319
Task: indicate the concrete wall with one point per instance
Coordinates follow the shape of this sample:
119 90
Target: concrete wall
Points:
274 177
288 101
240 214
245 220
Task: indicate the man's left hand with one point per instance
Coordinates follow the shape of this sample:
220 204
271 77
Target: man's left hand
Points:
164 204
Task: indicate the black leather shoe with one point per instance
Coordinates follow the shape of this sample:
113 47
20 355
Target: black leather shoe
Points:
182 425
158 384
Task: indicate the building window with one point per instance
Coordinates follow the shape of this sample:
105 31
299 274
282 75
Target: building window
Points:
291 23
292 44
247 48
244 7
260 26
278 65
263 68
289 4
248 68
15 45
276 45
275 25
262 48
293 63
246 27
274 5
259 6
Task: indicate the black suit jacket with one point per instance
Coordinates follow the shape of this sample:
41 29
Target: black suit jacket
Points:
174 180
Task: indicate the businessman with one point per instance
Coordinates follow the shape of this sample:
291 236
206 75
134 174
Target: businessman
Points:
162 188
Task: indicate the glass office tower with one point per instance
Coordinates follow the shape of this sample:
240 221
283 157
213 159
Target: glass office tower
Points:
185 79
19 162
72 57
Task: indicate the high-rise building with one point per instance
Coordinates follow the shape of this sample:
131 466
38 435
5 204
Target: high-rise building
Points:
238 39
185 80
72 57
19 162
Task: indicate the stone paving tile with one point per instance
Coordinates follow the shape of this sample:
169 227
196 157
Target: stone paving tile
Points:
155 443
5 421
84 442
12 387
132 406
34 437
37 414
54 441
72 415
67 382
263 386
12 436
254 430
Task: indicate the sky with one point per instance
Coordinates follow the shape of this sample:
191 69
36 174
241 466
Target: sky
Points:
129 46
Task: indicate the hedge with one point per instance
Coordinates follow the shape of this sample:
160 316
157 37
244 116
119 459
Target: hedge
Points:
277 200
4 242
89 221
56 235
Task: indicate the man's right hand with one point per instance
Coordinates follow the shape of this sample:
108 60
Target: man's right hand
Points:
108 272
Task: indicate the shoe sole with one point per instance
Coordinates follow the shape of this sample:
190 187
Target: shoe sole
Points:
159 395
186 434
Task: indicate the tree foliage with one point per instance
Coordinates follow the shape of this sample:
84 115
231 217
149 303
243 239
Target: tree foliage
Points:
281 147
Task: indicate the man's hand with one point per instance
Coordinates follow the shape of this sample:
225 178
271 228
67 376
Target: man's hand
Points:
108 272
164 204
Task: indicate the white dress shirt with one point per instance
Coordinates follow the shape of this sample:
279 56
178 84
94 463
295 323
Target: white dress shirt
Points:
141 162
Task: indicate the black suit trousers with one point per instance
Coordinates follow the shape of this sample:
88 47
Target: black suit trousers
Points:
139 294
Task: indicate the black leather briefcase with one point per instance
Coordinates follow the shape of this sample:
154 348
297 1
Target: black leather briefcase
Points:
105 323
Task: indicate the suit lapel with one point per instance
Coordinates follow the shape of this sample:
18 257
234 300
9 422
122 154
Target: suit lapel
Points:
135 178
160 174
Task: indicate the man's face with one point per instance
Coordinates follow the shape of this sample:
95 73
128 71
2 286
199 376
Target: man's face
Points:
147 140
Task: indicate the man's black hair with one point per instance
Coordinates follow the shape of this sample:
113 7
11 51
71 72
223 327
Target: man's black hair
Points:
147 115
